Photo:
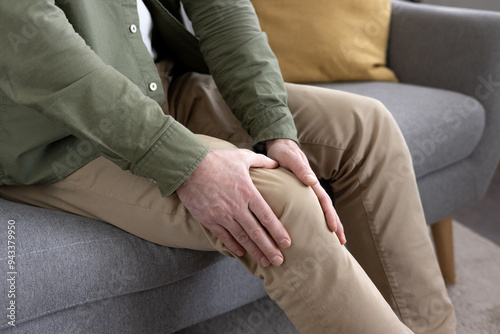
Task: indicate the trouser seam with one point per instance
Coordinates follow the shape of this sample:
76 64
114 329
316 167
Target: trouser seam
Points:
382 257
394 287
308 306
331 146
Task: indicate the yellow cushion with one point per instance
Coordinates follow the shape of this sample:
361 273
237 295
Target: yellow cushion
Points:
328 40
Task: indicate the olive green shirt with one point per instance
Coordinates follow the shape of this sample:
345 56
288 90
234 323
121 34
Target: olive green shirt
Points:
77 82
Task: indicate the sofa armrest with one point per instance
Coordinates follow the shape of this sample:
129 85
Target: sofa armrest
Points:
444 47
458 50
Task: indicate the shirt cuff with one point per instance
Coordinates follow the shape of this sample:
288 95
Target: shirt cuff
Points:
275 124
173 157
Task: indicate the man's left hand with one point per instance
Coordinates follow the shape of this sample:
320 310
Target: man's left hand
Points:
290 156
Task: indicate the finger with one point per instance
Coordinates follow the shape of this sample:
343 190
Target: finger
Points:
327 206
340 233
228 240
266 217
309 178
261 161
244 240
305 174
290 156
237 241
259 244
300 167
331 216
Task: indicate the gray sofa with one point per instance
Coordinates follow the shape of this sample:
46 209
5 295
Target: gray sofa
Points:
77 275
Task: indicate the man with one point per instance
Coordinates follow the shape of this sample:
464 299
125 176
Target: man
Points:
82 98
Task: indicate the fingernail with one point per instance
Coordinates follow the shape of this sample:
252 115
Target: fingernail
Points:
264 262
285 243
277 260
310 178
240 253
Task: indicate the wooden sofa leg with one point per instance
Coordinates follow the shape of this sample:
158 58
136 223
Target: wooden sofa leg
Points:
442 232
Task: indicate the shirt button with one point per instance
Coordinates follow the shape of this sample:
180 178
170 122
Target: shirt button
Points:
133 28
153 87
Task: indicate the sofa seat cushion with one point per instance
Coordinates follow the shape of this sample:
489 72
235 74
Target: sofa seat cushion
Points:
440 127
64 261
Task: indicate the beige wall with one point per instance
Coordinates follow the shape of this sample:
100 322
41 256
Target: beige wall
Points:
478 4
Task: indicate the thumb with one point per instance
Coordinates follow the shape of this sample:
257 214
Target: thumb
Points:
309 179
261 161
305 174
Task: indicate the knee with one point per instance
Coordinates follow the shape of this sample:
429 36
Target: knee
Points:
341 116
314 246
379 128
295 205
387 148
377 115
284 192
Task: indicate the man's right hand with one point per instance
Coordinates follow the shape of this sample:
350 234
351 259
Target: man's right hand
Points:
221 195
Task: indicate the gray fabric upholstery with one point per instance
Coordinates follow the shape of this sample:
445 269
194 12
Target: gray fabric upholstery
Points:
162 310
440 127
461 54
76 275
456 50
70 265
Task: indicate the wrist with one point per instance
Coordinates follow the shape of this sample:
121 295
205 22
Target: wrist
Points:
283 141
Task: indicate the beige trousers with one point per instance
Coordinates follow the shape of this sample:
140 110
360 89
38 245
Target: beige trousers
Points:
387 281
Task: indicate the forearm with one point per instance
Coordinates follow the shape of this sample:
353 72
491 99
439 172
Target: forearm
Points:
243 66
